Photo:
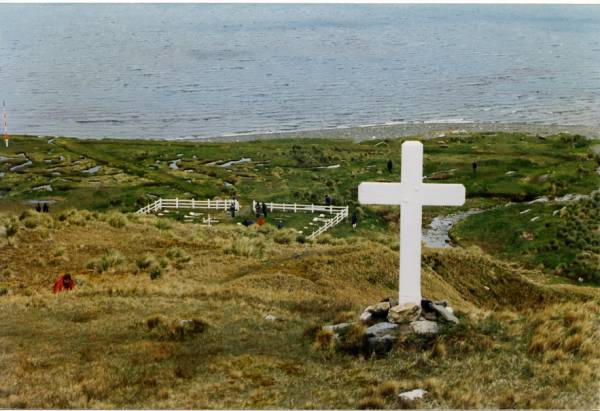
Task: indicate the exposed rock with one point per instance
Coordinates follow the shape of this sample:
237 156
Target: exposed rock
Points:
445 313
413 395
366 317
271 317
381 307
381 329
424 327
402 314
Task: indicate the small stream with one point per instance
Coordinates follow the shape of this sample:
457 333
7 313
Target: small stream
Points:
436 235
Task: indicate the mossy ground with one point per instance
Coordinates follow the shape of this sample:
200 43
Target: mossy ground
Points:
526 340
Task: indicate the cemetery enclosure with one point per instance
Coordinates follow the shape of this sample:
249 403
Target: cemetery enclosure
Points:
339 213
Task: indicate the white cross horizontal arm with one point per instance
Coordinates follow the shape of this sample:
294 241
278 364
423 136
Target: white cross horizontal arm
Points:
380 193
443 194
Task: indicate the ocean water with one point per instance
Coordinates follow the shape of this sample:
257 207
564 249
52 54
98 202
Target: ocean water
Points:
182 71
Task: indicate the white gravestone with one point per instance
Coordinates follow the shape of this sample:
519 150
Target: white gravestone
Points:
411 195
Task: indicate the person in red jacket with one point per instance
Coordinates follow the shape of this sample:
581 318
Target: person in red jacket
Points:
64 282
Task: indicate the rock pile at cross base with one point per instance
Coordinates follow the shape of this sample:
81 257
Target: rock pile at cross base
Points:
387 321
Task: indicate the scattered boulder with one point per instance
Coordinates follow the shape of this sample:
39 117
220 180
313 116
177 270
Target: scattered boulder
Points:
381 329
446 313
375 312
402 314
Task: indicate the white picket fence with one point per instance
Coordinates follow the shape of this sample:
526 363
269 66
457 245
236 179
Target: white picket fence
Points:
177 203
333 222
339 212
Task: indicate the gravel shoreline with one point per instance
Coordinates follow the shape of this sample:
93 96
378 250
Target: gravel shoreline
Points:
427 130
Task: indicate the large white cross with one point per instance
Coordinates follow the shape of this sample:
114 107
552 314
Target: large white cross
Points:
411 195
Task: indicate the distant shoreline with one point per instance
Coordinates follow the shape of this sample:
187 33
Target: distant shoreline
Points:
427 130
382 131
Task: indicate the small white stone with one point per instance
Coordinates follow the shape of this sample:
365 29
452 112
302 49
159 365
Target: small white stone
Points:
413 395
270 317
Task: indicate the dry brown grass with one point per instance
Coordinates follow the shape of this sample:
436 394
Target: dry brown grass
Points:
115 341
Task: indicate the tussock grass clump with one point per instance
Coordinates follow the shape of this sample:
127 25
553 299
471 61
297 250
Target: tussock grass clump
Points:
110 260
285 236
11 227
178 255
155 273
76 217
247 247
117 220
144 262
3 291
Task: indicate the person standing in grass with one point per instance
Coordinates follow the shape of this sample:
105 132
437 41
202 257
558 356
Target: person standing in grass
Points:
354 220
38 208
264 209
257 209
64 282
45 208
390 166
474 166
328 200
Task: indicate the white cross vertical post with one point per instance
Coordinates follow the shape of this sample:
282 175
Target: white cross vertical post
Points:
411 195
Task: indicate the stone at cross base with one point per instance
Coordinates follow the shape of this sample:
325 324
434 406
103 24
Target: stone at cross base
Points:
411 194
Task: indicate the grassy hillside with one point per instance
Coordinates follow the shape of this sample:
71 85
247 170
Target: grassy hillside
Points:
167 314
117 341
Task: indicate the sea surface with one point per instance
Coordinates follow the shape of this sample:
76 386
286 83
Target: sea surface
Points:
197 71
